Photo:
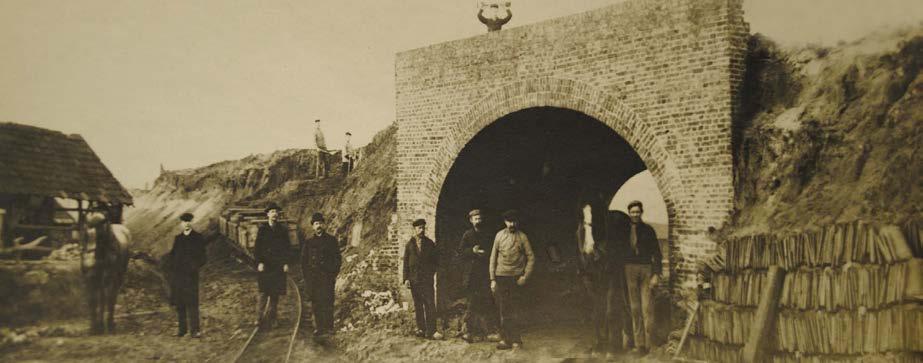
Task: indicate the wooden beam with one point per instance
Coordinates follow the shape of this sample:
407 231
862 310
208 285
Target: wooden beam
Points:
39 227
765 318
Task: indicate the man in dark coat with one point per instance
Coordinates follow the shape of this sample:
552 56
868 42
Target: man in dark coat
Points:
421 259
320 264
272 252
187 257
474 250
641 254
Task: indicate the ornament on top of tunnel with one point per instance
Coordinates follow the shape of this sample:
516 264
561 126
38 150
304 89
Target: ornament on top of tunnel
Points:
494 14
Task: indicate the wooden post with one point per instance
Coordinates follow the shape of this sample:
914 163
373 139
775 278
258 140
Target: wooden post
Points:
82 232
765 318
2 219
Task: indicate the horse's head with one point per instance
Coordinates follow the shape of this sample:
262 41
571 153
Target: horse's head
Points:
97 225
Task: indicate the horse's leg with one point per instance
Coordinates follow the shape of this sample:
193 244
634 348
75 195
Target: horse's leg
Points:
101 306
112 295
91 302
93 295
113 298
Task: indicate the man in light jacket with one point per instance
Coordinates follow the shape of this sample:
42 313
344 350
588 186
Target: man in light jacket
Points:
511 264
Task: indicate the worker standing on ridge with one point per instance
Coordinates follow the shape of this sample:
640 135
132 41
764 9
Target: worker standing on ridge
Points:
348 154
321 167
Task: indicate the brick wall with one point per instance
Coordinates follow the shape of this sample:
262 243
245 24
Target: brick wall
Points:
663 74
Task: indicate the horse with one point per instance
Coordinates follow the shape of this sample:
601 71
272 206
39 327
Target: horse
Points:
104 269
600 270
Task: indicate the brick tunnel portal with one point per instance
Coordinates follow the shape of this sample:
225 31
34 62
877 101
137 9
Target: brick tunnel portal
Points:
542 161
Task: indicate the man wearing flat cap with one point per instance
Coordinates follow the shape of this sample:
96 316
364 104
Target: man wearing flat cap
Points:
421 259
511 264
320 264
187 257
271 251
474 251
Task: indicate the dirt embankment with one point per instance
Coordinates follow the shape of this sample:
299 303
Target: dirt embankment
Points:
830 134
366 197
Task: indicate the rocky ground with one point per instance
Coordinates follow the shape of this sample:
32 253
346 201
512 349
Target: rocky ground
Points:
146 324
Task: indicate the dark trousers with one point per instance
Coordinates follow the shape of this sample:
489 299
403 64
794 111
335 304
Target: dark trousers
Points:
640 299
610 310
319 287
481 313
190 309
505 296
424 305
273 308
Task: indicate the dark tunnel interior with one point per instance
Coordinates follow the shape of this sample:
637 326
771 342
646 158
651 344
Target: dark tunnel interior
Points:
542 161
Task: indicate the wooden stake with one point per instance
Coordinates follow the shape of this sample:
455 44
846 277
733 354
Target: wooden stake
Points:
689 321
765 317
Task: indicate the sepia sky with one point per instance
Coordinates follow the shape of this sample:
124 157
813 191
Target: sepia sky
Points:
188 83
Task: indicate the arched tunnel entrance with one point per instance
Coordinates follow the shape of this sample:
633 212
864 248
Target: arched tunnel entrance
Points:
541 161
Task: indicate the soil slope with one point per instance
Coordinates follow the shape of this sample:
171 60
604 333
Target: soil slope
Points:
830 134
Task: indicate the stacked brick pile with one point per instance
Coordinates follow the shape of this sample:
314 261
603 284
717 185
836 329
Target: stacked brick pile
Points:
852 292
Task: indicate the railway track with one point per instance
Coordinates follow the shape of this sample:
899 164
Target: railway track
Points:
262 343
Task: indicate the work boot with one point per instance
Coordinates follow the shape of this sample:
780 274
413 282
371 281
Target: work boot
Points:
180 334
419 333
503 345
195 334
517 346
494 338
437 336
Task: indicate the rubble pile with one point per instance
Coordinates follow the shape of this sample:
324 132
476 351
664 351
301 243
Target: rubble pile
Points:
67 252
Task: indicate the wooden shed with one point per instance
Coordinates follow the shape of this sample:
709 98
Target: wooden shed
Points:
46 176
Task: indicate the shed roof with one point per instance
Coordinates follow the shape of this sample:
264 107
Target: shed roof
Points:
49 163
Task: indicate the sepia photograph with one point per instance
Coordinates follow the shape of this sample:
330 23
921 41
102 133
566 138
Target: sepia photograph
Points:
461 181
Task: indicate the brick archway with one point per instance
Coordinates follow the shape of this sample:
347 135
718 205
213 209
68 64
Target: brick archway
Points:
559 93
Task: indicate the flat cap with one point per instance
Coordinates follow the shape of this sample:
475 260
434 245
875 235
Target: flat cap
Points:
186 217
317 217
511 215
419 222
474 212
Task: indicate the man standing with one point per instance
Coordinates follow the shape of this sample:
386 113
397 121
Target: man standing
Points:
187 257
348 154
320 264
271 250
474 250
421 259
322 165
642 259
511 264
